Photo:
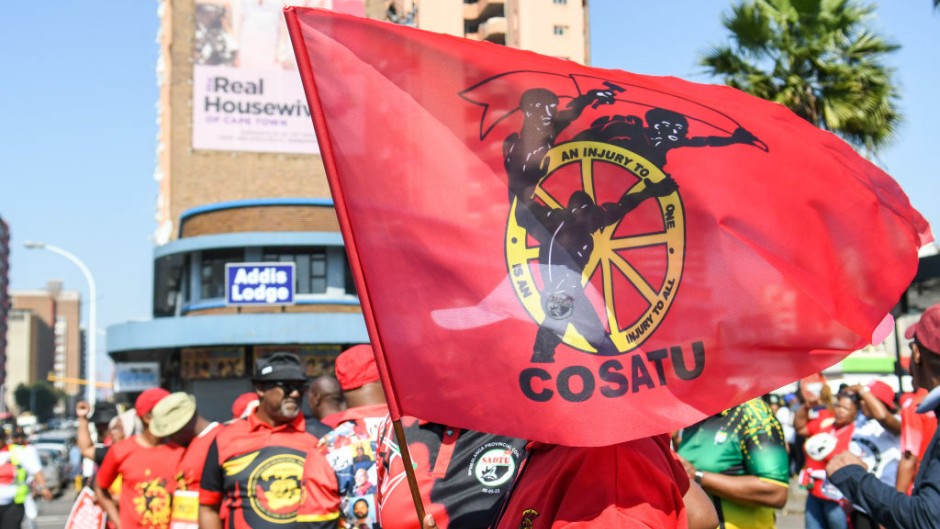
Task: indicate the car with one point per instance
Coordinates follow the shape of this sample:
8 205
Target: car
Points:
65 437
57 455
51 472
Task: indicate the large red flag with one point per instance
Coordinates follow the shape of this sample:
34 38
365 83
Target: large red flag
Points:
527 264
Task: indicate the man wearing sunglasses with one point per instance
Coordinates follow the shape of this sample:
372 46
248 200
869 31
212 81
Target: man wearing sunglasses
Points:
255 467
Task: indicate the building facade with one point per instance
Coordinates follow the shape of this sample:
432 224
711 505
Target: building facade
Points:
558 28
5 304
23 337
243 193
45 338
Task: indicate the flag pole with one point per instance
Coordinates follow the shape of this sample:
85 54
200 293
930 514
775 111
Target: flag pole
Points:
329 164
409 470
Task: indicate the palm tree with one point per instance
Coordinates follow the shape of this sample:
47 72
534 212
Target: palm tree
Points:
817 58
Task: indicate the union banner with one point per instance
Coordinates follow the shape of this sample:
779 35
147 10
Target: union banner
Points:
584 256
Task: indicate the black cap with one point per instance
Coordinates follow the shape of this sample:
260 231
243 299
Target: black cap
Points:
278 366
103 413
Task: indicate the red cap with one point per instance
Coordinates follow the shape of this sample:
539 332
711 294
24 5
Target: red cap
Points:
148 399
356 367
883 392
927 330
242 402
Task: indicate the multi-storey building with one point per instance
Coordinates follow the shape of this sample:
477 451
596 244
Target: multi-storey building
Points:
45 338
23 335
242 187
558 28
4 302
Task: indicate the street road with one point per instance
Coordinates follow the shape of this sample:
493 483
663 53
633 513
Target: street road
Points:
53 514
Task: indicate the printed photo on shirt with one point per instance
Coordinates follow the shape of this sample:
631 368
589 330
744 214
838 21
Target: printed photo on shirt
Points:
360 512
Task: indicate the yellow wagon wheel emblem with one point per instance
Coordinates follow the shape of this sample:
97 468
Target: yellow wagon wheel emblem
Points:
606 259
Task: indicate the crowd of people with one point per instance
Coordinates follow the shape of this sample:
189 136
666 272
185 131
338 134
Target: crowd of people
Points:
864 454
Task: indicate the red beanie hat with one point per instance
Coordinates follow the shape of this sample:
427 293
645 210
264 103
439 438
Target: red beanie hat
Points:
148 399
355 367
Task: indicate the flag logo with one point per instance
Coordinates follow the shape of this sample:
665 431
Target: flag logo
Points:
593 249
595 239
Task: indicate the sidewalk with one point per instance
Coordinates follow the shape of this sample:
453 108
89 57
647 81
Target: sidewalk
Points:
791 516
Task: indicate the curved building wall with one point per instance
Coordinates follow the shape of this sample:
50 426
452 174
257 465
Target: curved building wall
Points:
271 218
200 342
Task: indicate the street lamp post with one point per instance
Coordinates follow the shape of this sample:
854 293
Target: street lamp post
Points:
92 331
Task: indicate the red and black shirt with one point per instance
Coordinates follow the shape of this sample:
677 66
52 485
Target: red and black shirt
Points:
254 473
463 475
148 476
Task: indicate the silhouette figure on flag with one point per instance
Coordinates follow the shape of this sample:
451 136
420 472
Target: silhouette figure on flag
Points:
664 130
565 235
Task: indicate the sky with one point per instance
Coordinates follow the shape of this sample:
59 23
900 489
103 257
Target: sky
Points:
78 111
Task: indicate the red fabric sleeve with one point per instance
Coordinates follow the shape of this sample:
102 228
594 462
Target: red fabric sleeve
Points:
320 497
108 471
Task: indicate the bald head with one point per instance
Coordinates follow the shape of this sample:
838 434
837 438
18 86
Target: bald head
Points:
325 396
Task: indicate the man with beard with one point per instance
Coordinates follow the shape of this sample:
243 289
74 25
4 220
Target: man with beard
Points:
255 467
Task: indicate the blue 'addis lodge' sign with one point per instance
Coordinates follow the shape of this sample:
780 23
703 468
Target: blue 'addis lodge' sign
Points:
259 284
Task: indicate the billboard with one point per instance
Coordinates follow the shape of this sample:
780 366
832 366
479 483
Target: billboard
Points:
259 284
136 376
247 94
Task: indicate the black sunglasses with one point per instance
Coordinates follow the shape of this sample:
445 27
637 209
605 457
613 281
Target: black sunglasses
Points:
287 386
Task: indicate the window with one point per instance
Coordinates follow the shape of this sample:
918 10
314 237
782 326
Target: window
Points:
170 283
312 266
561 30
212 271
318 272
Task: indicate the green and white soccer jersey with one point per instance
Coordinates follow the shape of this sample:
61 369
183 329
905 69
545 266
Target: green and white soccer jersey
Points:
744 440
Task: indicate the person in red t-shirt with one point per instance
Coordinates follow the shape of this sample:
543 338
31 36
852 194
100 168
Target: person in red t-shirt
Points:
637 483
147 467
175 418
